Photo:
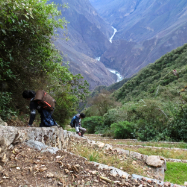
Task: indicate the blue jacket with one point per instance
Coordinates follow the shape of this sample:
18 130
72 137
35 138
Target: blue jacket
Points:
75 122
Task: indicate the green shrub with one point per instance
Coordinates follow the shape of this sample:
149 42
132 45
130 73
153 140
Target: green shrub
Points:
113 116
104 130
90 123
123 129
177 129
5 105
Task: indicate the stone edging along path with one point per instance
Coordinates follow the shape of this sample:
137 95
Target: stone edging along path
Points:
131 153
152 147
141 156
61 139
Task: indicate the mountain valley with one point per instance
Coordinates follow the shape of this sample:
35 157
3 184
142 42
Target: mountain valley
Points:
124 36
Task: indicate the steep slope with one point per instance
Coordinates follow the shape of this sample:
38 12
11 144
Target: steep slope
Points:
88 37
146 31
157 79
87 32
129 57
140 20
93 71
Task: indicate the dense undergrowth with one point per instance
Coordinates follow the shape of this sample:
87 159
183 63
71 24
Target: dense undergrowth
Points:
152 104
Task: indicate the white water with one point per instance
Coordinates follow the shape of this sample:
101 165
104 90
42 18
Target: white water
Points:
98 58
115 30
119 77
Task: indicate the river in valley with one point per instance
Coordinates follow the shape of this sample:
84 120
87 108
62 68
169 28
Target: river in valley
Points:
119 76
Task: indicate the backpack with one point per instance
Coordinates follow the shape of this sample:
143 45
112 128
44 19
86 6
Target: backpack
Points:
72 124
45 100
47 118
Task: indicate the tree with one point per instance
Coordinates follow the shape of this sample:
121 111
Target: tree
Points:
28 57
103 102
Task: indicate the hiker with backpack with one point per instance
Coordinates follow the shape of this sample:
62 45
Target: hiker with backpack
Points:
76 122
45 105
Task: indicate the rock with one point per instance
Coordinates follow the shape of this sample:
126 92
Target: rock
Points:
155 161
1 168
108 147
51 150
2 123
134 163
167 184
3 158
100 144
36 144
50 175
66 171
94 172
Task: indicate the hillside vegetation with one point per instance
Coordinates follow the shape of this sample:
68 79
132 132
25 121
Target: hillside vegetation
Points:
153 103
30 61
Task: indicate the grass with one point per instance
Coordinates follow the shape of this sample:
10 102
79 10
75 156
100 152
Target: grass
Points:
180 145
175 154
176 173
93 154
70 129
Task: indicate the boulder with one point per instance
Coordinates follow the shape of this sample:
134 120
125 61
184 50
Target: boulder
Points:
155 161
159 165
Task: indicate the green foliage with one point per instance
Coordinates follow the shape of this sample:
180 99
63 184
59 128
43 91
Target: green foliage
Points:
101 103
155 99
113 115
5 105
29 60
93 157
177 129
146 83
64 108
90 123
122 129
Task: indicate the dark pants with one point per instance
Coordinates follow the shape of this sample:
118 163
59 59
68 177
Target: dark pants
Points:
42 119
82 130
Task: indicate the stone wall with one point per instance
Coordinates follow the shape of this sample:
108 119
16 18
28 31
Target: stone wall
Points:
54 137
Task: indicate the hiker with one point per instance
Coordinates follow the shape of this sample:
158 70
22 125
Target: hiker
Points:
76 122
45 115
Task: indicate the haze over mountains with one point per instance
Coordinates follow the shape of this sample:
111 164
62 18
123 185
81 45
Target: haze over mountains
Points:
146 30
88 37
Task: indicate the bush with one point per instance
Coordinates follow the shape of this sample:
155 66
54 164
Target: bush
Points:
177 129
90 123
114 115
5 105
123 129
